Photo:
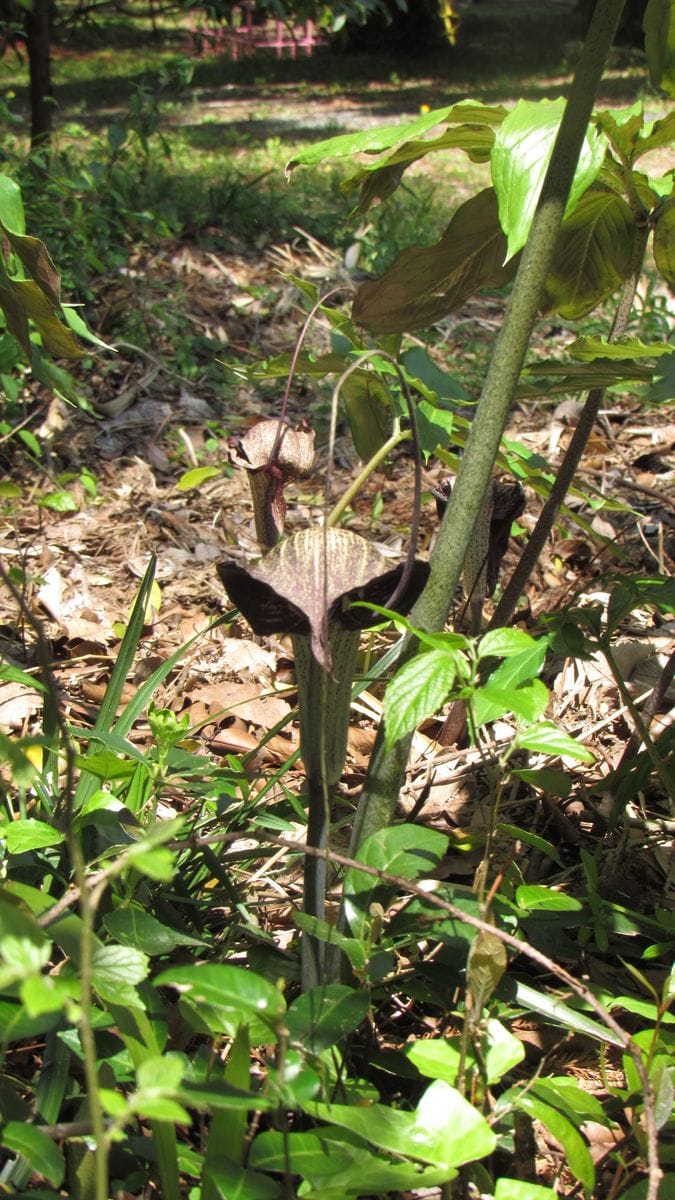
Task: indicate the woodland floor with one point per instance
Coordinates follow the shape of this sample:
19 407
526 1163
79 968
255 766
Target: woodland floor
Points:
83 567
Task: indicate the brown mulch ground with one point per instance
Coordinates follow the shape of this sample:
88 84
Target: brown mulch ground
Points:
83 568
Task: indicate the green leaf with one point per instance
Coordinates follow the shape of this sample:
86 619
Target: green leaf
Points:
527 836
519 667
577 1154
536 1000
516 1189
196 477
444 1130
535 896
378 181
369 412
116 970
423 371
664 244
337 1164
623 128
588 349
593 255
520 157
564 1093
11 206
501 1051
42 1154
434 426
528 702
424 284
404 850
436 1058
502 643
133 926
237 995
30 834
324 1015
60 501
485 966
657 134
80 327
369 141
417 691
236 1183
659 27
549 739
353 949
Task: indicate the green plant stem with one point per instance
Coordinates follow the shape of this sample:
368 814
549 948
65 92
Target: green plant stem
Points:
86 1030
565 476
324 702
387 767
364 474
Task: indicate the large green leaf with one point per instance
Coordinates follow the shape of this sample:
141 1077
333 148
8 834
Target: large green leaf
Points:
622 128
592 256
664 242
133 926
369 411
30 834
444 1130
324 1015
520 157
588 349
404 850
44 1156
233 1182
11 206
516 1189
58 338
237 995
426 283
378 180
577 1154
376 141
338 1164
659 27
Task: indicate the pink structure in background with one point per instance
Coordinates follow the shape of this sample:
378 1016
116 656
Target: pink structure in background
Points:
243 36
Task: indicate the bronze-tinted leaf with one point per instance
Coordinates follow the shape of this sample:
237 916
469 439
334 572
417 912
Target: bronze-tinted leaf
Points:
425 284
592 256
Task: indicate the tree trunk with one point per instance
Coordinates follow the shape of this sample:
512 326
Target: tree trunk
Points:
38 37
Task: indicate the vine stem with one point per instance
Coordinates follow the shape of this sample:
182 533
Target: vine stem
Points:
387 766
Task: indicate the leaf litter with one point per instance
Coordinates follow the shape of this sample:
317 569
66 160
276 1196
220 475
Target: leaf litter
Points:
83 567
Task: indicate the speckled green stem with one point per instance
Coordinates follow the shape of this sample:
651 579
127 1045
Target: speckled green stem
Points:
387 768
324 702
